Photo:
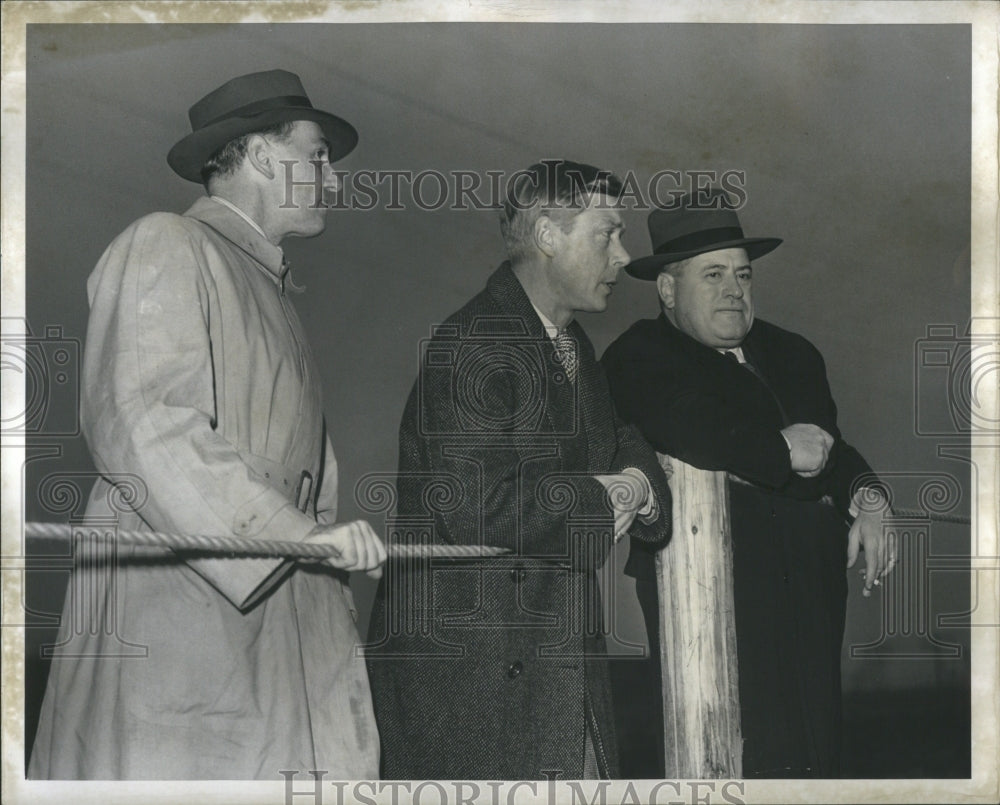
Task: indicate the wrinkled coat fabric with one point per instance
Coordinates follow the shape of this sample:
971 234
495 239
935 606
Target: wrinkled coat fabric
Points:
202 402
495 669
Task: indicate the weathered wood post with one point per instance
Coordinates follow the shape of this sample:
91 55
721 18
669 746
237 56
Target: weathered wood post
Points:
701 705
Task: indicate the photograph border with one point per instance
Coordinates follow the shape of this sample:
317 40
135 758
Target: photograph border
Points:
984 19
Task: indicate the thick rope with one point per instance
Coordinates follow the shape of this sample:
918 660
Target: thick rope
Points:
233 546
940 518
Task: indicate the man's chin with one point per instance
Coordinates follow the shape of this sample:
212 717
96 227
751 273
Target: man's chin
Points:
729 339
312 229
733 331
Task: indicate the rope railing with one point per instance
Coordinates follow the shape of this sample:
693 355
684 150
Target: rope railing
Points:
241 546
939 518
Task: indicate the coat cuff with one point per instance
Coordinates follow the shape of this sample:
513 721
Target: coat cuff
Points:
649 511
246 582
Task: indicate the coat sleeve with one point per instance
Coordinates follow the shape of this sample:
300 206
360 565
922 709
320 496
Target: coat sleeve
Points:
845 465
682 418
326 500
683 414
148 403
635 451
486 476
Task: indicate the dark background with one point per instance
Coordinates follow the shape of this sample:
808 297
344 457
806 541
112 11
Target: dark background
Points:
855 144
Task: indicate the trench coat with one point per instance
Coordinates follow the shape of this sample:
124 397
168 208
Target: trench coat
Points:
493 669
789 533
201 405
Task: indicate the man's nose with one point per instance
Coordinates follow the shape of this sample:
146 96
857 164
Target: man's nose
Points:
732 287
330 179
620 258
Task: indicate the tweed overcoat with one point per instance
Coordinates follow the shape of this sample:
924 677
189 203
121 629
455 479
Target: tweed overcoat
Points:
488 669
789 533
202 407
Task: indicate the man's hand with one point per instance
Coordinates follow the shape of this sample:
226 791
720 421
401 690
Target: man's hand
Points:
627 494
809 448
867 532
359 546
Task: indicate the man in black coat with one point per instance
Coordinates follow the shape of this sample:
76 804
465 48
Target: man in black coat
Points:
497 668
710 385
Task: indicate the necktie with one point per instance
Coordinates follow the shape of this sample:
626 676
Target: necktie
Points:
744 363
756 373
566 354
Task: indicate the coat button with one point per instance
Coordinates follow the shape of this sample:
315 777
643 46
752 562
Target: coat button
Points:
515 669
517 575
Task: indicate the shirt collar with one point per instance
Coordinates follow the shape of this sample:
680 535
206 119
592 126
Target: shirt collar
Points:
550 329
737 351
233 224
227 203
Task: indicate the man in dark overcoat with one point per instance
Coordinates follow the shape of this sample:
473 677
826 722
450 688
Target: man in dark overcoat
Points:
497 668
711 385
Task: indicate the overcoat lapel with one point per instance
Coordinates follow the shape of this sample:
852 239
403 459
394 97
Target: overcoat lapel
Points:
562 402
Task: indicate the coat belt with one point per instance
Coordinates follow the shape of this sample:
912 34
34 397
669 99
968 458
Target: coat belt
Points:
298 485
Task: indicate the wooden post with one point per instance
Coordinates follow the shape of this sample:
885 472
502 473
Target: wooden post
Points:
701 705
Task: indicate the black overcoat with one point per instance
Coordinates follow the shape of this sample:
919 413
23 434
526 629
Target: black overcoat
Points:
490 669
789 532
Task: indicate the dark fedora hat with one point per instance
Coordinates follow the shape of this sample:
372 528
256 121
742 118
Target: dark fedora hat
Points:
691 229
249 103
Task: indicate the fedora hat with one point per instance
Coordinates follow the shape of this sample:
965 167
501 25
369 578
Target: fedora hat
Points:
688 230
250 103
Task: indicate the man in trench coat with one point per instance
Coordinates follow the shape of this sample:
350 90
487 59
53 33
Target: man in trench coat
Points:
711 385
497 669
202 409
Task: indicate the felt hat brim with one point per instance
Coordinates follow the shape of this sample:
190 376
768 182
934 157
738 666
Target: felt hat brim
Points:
189 155
648 268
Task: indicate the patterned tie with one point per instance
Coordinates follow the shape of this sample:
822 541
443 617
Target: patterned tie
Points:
566 354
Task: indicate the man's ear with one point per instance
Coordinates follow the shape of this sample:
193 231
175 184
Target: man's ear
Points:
260 156
665 288
544 235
